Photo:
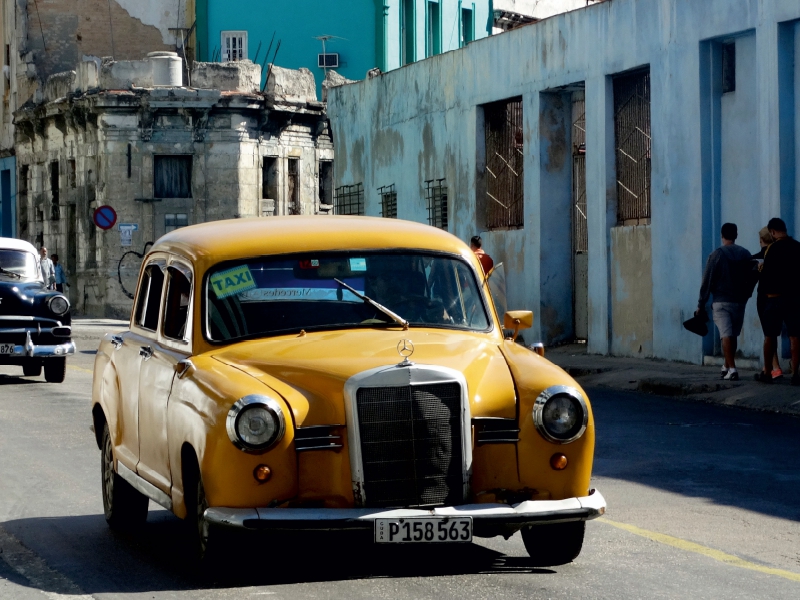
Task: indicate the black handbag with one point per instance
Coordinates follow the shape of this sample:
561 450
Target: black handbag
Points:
697 324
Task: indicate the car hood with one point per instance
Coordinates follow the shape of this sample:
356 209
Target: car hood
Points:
310 370
20 297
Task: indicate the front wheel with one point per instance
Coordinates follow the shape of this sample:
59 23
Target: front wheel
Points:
551 545
55 369
124 507
204 539
32 369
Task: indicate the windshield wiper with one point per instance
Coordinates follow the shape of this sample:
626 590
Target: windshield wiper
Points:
393 315
7 272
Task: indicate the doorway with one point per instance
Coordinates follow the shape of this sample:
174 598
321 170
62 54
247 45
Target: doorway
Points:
580 231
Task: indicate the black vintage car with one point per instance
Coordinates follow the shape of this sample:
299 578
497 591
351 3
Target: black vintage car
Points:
35 326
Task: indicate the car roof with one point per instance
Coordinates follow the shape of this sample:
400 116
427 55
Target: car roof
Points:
235 238
15 244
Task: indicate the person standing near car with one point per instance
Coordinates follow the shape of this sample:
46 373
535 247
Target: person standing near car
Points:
60 278
476 244
780 284
48 270
723 279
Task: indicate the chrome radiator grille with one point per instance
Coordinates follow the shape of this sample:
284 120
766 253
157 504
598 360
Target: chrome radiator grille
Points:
411 445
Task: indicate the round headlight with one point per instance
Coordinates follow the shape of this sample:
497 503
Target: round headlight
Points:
59 305
560 414
255 423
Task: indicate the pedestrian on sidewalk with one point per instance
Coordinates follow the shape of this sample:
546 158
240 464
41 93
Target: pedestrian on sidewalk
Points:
780 284
476 244
723 279
765 240
48 271
61 279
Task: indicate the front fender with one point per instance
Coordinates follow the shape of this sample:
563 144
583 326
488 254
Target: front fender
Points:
196 415
532 375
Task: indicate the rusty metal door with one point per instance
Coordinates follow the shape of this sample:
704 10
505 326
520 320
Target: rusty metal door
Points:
580 237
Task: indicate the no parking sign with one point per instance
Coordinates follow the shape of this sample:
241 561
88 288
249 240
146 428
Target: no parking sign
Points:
104 217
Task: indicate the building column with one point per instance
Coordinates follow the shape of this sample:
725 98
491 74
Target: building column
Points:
601 201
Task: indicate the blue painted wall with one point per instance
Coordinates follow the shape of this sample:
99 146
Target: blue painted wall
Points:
8 197
715 157
368 32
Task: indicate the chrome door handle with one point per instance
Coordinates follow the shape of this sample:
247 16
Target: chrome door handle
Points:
116 341
182 367
145 352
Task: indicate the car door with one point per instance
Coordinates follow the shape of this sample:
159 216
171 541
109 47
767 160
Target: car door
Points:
158 372
127 356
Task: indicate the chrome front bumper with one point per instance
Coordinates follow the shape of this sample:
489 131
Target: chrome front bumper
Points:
31 350
488 519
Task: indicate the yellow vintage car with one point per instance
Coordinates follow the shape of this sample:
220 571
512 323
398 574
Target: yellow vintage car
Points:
327 373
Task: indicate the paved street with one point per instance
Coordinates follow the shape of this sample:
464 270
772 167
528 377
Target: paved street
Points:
702 504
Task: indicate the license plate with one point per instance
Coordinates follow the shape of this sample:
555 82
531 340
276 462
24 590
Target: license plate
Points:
423 530
6 348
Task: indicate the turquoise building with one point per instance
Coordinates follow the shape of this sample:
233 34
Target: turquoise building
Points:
348 36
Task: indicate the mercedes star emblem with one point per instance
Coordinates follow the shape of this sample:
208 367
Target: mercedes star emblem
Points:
405 348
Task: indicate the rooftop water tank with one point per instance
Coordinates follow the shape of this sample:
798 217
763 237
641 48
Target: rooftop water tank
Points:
167 68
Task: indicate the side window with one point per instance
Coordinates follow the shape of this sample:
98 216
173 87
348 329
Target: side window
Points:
179 290
149 302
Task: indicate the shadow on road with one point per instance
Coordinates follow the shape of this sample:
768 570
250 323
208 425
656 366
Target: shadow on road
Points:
156 557
730 456
17 380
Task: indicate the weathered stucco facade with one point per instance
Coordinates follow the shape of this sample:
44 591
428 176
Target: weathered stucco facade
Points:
715 88
161 156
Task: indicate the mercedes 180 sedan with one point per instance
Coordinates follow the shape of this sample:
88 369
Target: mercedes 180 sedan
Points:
331 373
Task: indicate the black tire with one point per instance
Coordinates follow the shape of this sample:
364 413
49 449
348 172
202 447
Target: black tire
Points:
55 369
551 545
124 507
203 539
32 369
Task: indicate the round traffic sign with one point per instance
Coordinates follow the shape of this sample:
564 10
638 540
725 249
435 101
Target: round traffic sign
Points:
104 217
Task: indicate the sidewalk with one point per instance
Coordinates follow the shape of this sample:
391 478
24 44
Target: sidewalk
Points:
676 379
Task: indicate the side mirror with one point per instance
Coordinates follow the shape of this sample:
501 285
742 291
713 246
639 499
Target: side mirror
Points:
518 319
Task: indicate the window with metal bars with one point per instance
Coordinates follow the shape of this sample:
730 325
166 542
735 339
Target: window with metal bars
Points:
234 45
349 200
388 201
504 164
580 232
632 146
436 201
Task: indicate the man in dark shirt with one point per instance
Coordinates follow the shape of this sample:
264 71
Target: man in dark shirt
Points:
780 284
722 280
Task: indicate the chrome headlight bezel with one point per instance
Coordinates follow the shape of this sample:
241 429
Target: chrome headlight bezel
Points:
248 402
538 413
52 309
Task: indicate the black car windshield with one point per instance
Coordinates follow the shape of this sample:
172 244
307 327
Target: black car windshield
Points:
270 296
18 264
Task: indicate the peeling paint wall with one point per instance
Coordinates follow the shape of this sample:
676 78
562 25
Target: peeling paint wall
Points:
425 121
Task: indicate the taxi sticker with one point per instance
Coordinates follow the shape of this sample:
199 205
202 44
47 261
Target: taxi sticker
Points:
233 281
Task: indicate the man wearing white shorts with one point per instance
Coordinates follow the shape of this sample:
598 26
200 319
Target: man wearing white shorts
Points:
723 280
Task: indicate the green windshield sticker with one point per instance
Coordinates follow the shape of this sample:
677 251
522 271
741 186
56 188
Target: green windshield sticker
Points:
358 264
233 281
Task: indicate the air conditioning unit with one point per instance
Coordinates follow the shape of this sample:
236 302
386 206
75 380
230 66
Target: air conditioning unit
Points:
329 60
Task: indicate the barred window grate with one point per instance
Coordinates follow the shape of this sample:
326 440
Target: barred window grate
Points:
388 201
580 231
349 200
633 143
436 201
504 164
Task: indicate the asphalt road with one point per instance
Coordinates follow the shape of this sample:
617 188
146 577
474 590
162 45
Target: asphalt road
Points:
703 503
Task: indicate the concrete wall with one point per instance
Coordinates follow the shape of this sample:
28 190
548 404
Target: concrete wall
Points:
424 121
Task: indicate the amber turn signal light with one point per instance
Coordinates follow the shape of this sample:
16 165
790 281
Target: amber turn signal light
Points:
262 473
558 462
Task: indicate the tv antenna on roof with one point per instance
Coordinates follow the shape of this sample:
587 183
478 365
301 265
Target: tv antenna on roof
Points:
324 38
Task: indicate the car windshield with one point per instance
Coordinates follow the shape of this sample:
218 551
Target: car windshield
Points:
284 294
18 264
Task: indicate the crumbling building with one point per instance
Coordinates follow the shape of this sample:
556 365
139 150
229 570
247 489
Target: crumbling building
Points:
131 135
